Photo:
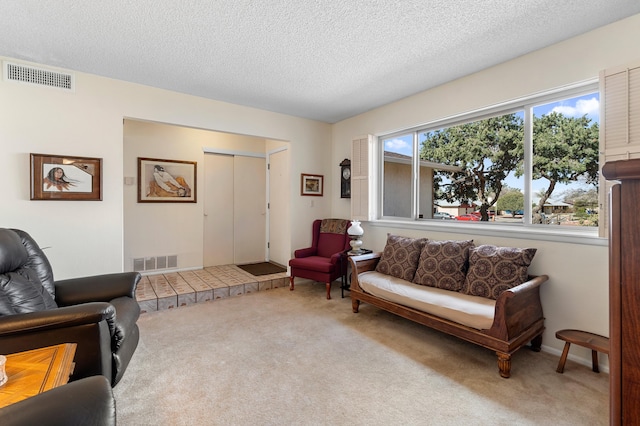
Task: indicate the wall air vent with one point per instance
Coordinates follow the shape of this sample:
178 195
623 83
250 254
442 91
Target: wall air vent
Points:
40 76
138 265
161 262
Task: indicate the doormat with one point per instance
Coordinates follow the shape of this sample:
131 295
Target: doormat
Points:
262 268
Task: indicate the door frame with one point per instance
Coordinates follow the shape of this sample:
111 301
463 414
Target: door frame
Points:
268 189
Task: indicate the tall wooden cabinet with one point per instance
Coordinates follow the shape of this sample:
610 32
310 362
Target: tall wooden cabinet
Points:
624 291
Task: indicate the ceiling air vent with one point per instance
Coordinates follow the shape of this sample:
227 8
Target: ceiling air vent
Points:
41 76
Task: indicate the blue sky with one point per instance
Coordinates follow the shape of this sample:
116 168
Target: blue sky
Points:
573 107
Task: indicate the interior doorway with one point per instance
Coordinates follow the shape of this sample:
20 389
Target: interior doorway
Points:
156 230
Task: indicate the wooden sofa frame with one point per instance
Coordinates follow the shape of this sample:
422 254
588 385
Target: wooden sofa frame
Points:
518 315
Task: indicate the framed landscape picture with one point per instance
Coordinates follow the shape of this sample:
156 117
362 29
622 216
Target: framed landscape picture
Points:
166 181
311 185
59 177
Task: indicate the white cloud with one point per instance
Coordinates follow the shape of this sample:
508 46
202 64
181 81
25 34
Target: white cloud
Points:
397 145
591 107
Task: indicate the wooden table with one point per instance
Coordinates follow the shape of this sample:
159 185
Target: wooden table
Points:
588 340
345 281
36 371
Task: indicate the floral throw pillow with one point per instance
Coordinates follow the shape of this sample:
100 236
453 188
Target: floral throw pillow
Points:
443 264
493 269
400 257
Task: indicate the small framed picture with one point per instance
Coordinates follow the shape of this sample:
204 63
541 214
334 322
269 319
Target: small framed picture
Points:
311 185
166 181
61 177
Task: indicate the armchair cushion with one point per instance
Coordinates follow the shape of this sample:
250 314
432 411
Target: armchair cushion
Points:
331 238
21 289
19 293
313 263
36 260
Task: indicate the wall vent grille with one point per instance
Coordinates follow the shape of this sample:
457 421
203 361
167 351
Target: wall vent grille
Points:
161 262
149 263
157 262
40 76
138 265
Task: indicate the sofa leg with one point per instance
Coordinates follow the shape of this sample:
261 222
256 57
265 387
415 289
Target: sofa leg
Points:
536 343
329 291
504 364
355 305
291 283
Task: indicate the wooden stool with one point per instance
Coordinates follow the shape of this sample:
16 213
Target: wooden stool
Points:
592 341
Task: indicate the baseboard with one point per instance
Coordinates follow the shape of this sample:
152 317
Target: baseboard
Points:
603 361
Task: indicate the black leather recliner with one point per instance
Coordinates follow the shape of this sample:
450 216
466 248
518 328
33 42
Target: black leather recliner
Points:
98 313
87 401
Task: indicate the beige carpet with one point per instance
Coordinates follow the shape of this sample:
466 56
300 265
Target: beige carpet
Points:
294 358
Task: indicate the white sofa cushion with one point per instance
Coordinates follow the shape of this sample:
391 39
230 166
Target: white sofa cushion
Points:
472 311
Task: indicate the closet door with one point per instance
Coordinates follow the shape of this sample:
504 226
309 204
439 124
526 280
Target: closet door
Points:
234 210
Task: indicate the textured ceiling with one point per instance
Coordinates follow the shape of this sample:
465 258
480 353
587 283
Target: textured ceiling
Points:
325 60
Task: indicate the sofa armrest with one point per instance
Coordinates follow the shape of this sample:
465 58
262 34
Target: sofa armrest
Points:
360 264
98 288
364 262
65 317
518 308
86 401
304 252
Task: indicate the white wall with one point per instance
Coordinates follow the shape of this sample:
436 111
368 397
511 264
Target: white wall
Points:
87 237
576 295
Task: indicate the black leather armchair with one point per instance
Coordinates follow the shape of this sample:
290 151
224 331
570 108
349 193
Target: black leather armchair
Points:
97 313
84 402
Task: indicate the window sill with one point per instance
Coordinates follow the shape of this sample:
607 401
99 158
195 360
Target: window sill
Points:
569 235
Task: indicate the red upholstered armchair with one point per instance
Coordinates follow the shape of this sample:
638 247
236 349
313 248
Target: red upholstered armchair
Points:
321 262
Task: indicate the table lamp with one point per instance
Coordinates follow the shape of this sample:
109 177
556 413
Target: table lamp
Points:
355 232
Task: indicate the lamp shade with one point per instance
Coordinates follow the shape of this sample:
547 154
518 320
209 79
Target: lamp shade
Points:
355 229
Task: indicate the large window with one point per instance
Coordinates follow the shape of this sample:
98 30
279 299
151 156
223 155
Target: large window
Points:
532 162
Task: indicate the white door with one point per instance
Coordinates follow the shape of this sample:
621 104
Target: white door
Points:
249 210
218 210
279 223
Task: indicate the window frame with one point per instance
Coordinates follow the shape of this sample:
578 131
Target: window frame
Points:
589 235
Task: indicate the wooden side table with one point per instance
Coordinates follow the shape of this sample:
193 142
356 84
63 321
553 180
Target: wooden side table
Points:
345 281
36 371
585 339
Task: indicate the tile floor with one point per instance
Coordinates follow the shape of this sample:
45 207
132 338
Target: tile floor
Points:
171 290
